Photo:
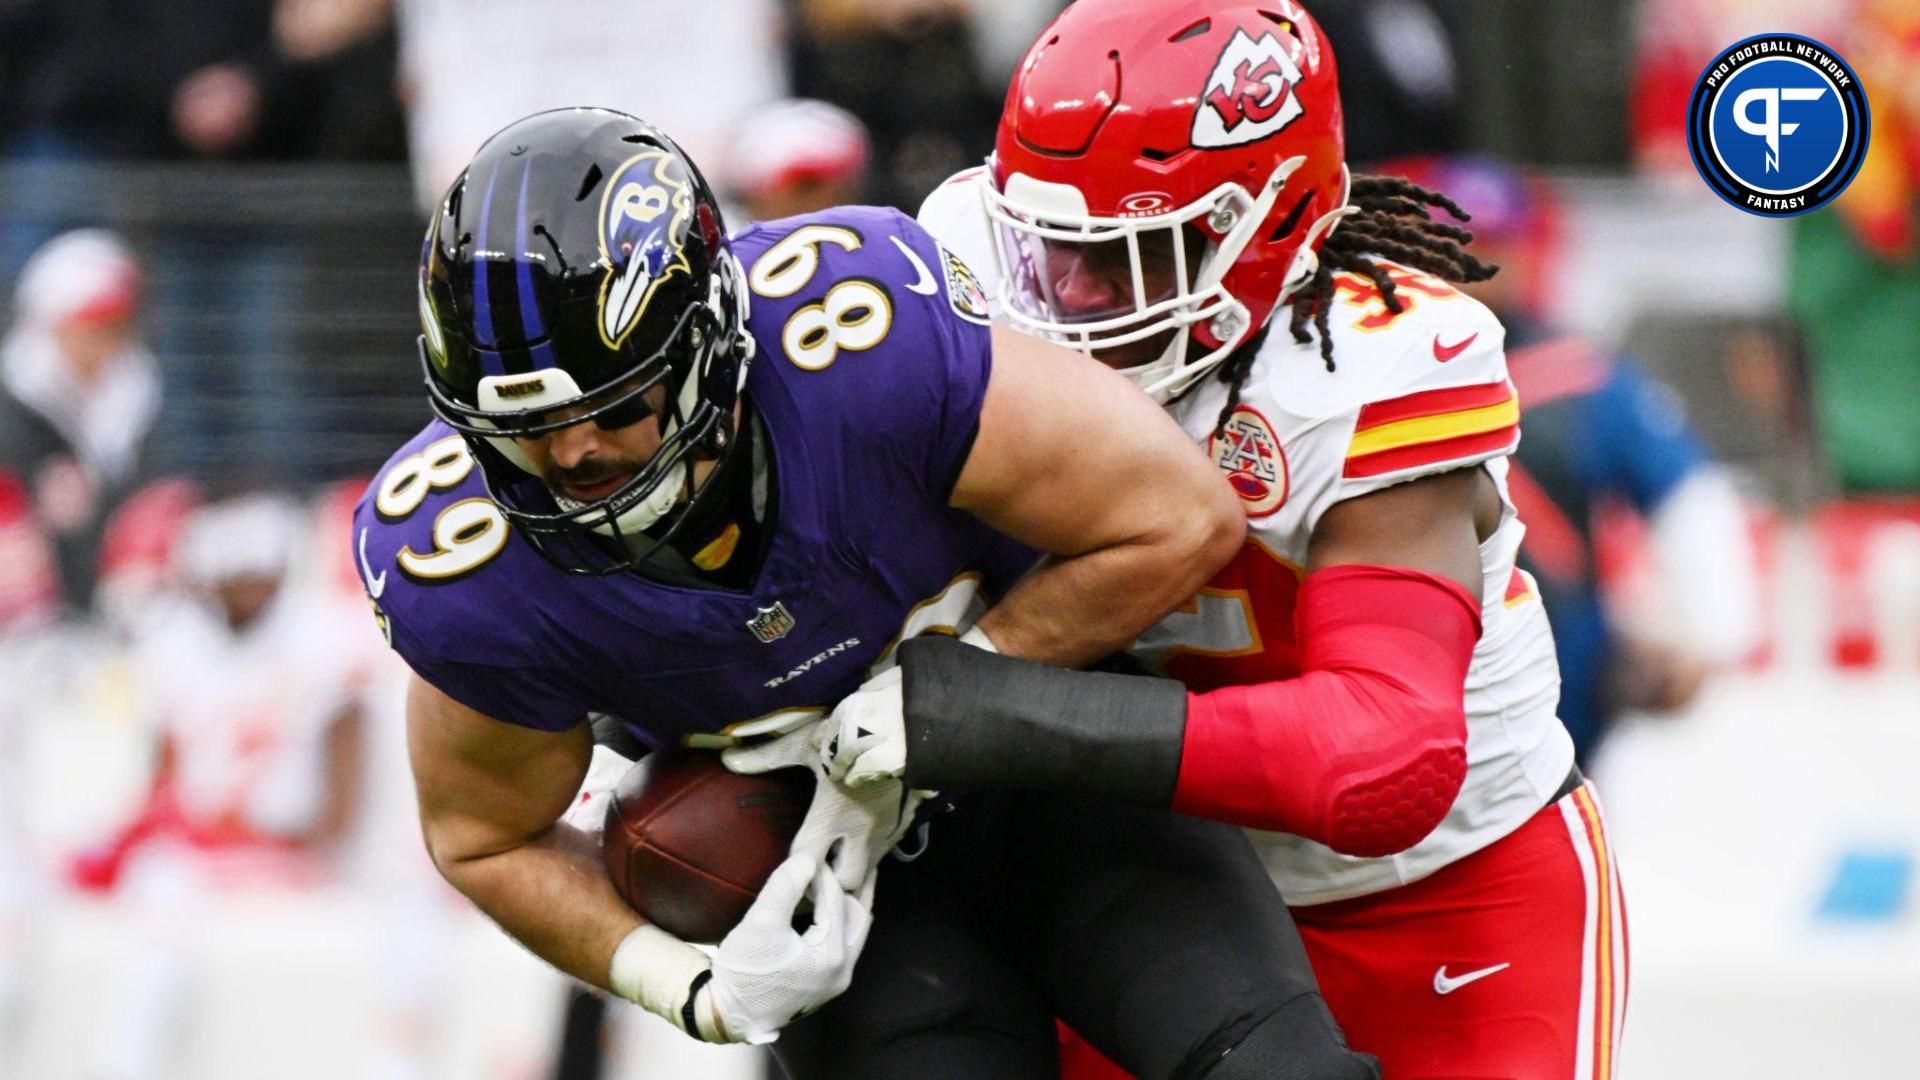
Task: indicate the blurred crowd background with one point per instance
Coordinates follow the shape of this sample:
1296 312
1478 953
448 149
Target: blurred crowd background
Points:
210 212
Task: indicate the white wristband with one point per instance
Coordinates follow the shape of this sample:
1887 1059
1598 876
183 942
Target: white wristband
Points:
978 638
653 969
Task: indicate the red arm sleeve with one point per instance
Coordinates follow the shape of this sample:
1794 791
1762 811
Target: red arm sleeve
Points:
1365 751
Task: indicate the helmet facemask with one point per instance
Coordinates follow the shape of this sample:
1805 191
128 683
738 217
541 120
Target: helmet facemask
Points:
1164 268
578 273
1219 116
626 527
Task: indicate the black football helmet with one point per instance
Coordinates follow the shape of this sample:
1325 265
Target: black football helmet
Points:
579 262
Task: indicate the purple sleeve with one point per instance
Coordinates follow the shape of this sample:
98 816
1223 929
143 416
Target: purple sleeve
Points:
956 376
508 689
521 696
915 394
469 637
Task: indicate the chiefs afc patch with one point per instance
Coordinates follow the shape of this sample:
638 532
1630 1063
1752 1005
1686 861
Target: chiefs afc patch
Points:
1247 451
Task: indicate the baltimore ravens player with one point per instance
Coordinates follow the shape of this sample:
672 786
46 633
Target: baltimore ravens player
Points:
643 501
1370 684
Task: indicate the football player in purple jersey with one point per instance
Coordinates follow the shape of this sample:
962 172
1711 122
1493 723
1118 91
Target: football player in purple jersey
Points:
698 489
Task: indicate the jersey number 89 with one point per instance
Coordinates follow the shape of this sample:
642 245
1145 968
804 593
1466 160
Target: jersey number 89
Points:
854 316
466 534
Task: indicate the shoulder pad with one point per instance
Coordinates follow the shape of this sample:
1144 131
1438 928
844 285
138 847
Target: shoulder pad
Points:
1441 338
441 589
957 220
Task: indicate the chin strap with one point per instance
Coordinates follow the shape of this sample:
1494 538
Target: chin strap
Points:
1306 261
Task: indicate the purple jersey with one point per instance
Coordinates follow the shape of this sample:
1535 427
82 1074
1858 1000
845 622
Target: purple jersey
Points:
867 422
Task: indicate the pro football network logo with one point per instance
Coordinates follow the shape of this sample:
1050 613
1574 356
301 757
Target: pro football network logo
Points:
1249 94
1247 451
1778 125
644 217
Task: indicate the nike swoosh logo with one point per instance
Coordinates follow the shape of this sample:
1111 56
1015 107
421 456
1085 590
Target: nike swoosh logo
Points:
1443 985
375 584
926 285
1444 353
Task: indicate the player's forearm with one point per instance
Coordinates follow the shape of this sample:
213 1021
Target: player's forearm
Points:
1074 610
1364 751
553 896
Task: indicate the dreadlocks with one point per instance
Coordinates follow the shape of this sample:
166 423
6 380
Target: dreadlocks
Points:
1391 219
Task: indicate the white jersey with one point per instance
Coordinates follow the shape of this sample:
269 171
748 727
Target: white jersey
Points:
248 714
1411 395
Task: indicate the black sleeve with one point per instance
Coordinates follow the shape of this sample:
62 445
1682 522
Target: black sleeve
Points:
979 721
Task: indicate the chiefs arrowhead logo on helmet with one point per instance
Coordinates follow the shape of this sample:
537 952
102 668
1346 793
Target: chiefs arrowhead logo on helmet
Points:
1133 122
1249 95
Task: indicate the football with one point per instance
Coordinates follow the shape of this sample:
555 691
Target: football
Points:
689 844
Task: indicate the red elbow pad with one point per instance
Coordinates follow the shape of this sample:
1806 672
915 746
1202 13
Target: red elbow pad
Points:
1365 751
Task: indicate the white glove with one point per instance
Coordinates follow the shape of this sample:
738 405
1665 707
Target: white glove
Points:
868 739
849 831
766 974
763 975
869 743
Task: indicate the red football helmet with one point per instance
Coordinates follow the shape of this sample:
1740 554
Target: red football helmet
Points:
1163 176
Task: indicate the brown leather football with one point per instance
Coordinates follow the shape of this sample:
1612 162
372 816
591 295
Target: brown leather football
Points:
689 844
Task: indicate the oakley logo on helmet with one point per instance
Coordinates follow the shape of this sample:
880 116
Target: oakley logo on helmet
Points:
644 217
1249 95
1146 204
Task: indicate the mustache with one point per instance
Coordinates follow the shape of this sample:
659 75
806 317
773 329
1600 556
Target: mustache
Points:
586 474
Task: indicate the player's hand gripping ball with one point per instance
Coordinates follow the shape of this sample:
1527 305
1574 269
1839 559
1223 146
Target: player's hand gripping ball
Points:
689 844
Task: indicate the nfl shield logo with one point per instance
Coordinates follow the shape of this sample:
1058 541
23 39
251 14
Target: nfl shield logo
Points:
770 624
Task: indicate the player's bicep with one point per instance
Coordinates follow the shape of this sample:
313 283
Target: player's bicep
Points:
1432 524
486 786
1070 457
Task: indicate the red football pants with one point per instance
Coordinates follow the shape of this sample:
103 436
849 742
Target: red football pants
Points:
1510 964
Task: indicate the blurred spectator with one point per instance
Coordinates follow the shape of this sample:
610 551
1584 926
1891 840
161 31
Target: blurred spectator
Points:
78 396
256 78
1675 38
472 66
1600 435
224 80
1398 56
95 80
1005 30
250 680
795 157
1855 274
315 81
1544 82
298 80
909 69
253 688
